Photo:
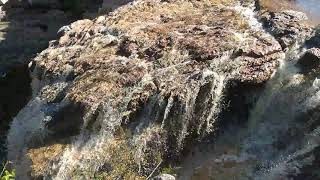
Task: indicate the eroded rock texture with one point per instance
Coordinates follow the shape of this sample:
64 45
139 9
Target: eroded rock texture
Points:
288 27
127 93
25 30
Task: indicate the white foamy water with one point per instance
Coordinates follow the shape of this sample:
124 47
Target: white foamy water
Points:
88 151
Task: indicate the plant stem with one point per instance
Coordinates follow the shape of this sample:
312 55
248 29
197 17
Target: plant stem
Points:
154 170
3 169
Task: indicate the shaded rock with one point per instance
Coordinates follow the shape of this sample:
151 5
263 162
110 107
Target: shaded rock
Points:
15 92
25 30
63 30
110 5
314 41
164 177
64 120
310 60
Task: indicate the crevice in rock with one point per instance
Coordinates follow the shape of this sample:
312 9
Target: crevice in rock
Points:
15 92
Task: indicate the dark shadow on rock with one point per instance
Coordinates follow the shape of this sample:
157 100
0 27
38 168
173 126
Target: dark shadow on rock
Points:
25 31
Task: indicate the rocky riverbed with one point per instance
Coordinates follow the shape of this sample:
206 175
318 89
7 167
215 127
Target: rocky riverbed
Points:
196 89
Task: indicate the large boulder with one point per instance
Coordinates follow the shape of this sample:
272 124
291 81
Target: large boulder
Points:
127 91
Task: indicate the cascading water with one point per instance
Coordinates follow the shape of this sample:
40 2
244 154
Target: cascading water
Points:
276 133
192 108
96 145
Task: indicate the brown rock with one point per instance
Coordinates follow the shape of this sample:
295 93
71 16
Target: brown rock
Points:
157 69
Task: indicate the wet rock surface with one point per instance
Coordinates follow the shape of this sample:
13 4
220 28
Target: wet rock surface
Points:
131 92
152 53
25 30
307 156
288 27
290 100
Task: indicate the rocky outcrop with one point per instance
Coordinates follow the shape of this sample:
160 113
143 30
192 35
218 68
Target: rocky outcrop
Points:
126 94
149 76
288 27
25 30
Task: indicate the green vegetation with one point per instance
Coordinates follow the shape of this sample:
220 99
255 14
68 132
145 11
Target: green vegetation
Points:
168 170
7 174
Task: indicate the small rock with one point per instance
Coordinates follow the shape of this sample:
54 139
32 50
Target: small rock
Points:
164 177
100 19
287 27
310 60
63 30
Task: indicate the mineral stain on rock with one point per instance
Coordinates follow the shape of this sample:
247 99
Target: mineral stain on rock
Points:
165 89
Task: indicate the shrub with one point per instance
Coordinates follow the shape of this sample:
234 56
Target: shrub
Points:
7 174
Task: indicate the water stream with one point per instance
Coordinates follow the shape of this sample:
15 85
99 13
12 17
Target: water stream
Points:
277 130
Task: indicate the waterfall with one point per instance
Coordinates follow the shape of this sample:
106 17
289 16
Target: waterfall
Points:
91 150
132 127
276 134
88 151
